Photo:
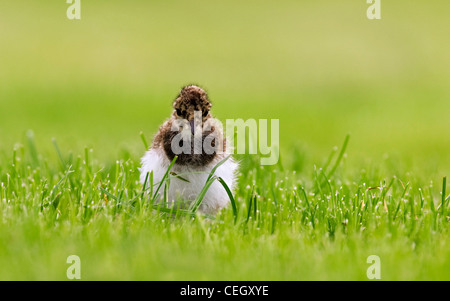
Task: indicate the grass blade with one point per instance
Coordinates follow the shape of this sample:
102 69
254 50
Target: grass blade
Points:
250 203
199 199
211 178
144 140
32 147
230 195
215 168
341 155
60 156
444 186
179 177
164 177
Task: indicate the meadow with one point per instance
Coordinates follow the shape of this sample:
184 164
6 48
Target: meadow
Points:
75 96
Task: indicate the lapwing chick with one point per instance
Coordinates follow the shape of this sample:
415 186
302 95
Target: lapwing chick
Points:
197 139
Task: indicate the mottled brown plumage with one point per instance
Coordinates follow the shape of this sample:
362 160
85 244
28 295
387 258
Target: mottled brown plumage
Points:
190 99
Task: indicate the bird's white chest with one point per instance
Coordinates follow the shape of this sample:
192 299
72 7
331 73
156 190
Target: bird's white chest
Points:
216 197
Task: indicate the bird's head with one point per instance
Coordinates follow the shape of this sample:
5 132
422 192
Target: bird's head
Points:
192 111
192 99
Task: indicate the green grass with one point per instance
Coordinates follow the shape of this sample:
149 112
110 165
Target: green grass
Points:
286 226
321 68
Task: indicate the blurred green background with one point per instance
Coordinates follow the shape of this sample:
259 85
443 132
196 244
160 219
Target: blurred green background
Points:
320 67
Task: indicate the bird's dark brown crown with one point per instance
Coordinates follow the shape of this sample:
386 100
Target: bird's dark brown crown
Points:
191 98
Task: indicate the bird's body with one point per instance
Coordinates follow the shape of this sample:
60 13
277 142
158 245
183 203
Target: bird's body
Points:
216 197
193 166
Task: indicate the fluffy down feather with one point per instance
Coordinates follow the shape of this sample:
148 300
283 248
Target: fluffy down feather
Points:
216 197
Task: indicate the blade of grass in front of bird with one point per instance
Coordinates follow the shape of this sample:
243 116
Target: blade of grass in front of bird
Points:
230 195
217 166
151 184
164 178
166 191
198 201
194 207
178 177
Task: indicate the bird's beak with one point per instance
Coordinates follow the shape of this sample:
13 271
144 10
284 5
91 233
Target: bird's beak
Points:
192 126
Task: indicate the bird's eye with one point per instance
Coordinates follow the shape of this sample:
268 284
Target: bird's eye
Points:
205 113
178 112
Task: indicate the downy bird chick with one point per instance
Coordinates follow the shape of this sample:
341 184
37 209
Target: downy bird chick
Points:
192 134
